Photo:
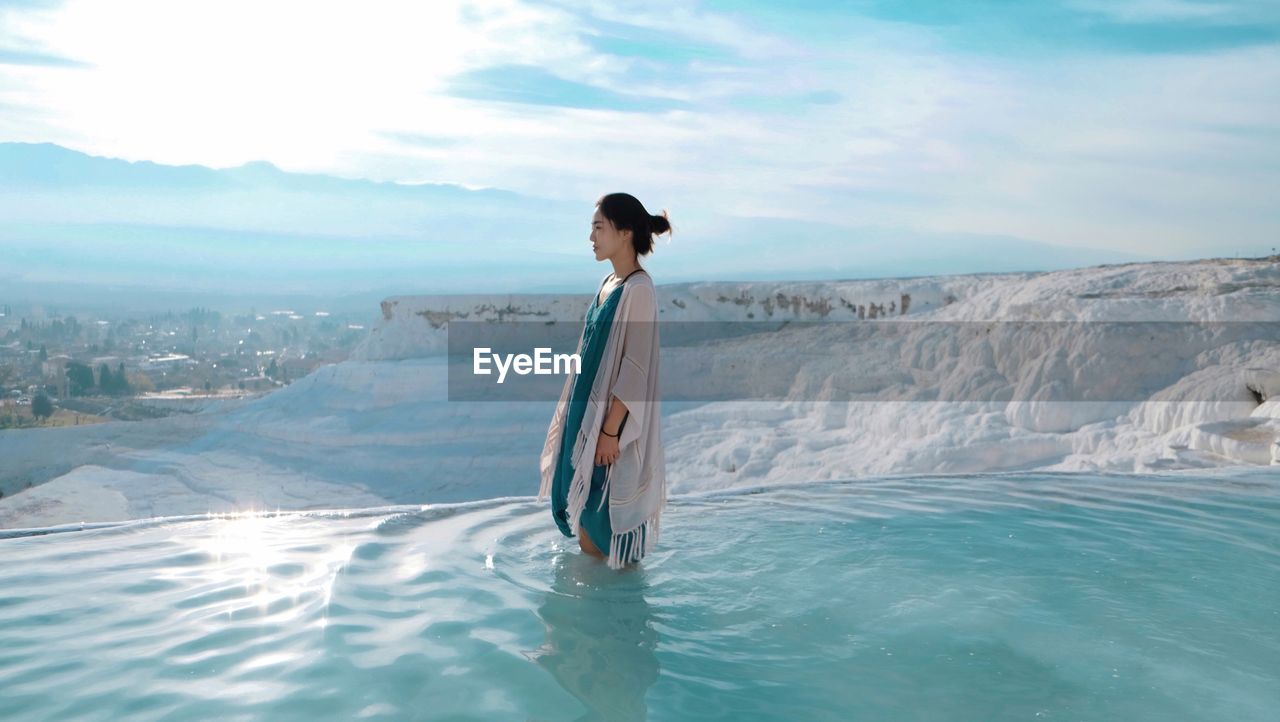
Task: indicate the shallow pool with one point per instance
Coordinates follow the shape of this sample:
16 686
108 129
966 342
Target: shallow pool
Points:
1007 597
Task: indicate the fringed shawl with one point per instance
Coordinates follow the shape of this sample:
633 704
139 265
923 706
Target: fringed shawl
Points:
635 484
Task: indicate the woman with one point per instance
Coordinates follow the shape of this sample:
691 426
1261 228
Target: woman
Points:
603 463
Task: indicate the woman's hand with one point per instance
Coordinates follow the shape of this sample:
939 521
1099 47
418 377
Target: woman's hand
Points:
606 450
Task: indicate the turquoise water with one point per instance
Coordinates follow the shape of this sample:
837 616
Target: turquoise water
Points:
1008 597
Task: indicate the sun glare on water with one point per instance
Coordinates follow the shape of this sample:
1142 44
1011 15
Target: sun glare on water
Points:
257 551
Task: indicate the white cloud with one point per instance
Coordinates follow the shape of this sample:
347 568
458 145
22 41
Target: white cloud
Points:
1159 154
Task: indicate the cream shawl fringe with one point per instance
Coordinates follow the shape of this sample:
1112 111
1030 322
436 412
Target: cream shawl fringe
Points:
579 490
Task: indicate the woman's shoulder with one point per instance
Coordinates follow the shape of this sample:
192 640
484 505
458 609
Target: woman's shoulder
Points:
640 276
640 279
641 295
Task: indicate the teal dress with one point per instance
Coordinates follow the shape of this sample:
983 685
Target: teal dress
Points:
595 333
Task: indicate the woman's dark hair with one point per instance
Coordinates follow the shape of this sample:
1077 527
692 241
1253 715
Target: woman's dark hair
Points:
628 214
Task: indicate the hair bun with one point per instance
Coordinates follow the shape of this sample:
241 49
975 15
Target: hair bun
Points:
660 224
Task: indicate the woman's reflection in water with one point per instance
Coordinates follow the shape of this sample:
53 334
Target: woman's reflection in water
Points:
600 637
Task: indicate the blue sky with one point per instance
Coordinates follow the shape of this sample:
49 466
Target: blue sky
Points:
1145 126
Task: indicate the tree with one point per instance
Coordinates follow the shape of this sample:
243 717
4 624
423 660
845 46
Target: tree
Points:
44 353
122 380
113 382
41 406
272 370
80 378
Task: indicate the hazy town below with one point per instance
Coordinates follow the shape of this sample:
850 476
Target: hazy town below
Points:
76 366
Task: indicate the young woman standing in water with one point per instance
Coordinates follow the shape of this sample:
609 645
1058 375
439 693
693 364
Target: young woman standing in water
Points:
612 405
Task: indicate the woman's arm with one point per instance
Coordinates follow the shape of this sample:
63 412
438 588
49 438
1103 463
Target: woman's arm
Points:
629 395
631 388
613 419
607 449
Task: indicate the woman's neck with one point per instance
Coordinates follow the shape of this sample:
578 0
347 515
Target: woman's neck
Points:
623 268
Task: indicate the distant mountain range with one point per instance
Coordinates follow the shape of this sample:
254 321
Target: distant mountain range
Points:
86 227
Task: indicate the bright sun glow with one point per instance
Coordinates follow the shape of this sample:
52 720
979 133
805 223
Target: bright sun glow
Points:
245 80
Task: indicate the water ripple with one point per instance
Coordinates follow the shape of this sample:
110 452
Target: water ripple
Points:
1008 596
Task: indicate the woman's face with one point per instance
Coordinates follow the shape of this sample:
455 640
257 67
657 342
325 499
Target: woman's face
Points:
606 240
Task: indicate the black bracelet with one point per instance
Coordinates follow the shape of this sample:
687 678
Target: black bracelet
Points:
624 423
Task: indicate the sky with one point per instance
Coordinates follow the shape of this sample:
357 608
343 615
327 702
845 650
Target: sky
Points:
1144 126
